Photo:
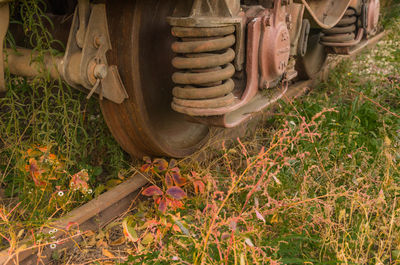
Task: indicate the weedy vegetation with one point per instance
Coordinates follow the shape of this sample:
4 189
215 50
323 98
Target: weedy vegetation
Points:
318 182
51 138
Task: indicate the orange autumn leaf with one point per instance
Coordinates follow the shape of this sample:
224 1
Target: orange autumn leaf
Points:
79 181
35 172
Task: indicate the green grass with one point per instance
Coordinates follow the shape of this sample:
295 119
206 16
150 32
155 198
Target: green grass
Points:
46 113
317 183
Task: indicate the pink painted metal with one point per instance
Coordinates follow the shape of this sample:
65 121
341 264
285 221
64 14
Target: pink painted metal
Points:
275 45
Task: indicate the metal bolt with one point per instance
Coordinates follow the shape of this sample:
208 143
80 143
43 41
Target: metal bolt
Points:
289 21
267 20
100 71
98 40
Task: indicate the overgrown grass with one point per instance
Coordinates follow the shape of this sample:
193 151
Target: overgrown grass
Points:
317 184
48 133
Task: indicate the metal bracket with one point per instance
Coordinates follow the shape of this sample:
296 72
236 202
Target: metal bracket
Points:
85 64
4 21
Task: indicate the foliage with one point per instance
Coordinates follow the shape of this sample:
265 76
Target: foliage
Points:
318 183
53 131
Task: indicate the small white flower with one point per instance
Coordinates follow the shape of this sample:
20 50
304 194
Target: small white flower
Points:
53 246
89 191
60 193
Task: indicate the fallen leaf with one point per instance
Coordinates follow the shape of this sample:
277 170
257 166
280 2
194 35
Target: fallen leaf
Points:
248 242
147 239
118 242
112 183
107 253
259 216
129 229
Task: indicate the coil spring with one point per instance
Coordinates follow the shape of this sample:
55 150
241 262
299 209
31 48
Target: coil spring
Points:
344 31
204 60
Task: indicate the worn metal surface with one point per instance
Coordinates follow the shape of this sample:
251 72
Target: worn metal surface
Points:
252 66
4 21
83 55
373 14
261 102
145 124
211 53
19 62
309 65
91 216
204 67
345 33
275 45
325 14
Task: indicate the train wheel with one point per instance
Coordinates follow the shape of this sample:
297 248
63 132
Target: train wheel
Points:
311 64
145 124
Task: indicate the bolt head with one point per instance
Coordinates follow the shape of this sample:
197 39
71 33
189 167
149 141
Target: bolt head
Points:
100 71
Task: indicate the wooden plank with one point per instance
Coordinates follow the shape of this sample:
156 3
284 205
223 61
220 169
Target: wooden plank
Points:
91 216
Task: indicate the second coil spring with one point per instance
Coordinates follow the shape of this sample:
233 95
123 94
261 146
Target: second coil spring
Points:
344 31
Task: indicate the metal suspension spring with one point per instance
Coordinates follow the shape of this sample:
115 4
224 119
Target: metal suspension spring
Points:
344 31
204 60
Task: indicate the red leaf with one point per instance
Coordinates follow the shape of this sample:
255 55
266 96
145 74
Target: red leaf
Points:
172 163
147 159
176 193
145 168
161 164
168 180
178 179
152 191
176 204
199 186
162 207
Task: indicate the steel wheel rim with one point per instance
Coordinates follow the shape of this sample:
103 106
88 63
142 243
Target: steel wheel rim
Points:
145 52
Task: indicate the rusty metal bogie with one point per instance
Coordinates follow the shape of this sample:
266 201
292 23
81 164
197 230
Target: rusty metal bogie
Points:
226 62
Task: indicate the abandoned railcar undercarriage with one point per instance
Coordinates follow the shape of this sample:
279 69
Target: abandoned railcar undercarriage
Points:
166 71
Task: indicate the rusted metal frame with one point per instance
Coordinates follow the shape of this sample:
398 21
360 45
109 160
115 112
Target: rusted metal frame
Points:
87 67
253 38
275 45
92 216
258 53
4 22
354 42
83 68
19 62
84 14
261 102
325 14
357 48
